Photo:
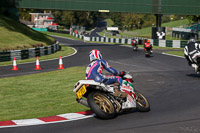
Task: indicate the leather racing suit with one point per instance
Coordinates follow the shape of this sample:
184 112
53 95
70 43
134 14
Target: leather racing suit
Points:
192 54
191 50
94 71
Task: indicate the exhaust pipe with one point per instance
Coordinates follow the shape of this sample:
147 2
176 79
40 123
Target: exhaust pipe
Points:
83 102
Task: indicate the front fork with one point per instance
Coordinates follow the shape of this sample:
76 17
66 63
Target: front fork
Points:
116 103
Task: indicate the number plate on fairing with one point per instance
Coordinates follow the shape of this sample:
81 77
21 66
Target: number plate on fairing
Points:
81 92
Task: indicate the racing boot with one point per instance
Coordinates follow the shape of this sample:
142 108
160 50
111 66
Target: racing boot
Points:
198 70
198 65
195 67
118 92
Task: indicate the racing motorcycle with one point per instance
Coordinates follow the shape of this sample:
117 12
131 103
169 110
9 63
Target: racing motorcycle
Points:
193 59
134 45
101 100
147 50
196 65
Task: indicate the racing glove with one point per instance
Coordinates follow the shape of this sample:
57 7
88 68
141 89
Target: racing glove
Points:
122 74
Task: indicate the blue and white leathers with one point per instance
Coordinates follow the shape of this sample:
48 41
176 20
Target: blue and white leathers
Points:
94 71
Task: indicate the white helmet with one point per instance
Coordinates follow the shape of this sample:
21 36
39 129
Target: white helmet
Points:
95 54
192 39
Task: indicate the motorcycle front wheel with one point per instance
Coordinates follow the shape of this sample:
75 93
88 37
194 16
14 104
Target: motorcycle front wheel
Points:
142 103
101 105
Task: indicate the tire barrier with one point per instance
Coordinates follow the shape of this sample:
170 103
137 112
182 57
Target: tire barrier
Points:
155 42
29 53
168 43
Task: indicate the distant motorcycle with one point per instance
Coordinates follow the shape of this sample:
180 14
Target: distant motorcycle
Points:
101 100
134 45
147 50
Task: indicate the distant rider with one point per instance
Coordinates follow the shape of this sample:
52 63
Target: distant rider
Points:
192 54
95 68
148 45
134 42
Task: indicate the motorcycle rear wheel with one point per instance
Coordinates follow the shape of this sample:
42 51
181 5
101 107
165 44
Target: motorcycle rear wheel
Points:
101 105
142 103
147 54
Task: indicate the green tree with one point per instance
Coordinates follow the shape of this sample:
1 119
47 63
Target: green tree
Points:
68 18
57 15
24 14
117 19
194 18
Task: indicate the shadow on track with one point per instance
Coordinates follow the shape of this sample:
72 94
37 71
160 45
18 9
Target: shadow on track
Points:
193 75
94 44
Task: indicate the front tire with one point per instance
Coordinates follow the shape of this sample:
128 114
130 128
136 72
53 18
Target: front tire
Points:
101 105
142 103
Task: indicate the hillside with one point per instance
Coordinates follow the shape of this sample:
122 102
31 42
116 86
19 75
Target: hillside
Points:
15 35
146 32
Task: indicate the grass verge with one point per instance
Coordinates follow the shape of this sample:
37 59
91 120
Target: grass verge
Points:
15 35
146 32
63 52
110 23
61 35
167 48
40 95
179 53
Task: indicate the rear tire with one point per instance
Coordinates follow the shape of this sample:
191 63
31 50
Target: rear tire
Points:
147 55
142 103
101 105
198 62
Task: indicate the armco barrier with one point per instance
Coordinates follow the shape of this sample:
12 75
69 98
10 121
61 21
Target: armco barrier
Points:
162 43
155 42
5 56
169 43
29 53
24 54
183 43
176 43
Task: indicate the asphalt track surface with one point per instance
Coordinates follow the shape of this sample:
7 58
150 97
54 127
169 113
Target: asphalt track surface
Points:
101 25
170 85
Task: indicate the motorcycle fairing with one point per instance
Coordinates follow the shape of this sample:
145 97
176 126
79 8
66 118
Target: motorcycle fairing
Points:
128 88
89 82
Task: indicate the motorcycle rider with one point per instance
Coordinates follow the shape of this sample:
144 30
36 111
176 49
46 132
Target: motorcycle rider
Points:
95 68
148 44
191 53
134 42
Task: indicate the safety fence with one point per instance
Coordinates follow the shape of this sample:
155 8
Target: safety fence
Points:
29 53
155 42
169 43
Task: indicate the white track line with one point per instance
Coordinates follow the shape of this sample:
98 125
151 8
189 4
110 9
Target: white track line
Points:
173 55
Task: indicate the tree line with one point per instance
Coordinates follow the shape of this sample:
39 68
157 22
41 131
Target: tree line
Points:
88 19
